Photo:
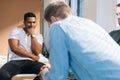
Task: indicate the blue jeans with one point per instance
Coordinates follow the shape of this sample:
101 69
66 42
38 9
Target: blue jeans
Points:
14 67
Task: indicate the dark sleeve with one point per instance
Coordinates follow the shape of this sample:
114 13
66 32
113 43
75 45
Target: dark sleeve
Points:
115 35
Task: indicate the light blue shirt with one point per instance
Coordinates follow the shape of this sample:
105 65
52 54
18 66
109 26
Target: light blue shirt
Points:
84 47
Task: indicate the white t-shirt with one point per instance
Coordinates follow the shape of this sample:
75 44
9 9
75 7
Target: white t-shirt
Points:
24 42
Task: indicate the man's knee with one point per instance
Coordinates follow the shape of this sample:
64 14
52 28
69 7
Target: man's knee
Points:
4 75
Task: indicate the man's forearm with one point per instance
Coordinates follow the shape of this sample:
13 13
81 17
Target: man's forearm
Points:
23 53
35 46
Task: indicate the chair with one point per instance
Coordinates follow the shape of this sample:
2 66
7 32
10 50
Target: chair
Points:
24 77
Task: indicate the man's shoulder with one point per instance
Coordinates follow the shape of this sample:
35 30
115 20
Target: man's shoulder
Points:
17 29
16 32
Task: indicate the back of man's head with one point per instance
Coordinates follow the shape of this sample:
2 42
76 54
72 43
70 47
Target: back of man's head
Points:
57 9
118 5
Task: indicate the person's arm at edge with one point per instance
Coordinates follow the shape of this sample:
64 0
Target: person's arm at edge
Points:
58 56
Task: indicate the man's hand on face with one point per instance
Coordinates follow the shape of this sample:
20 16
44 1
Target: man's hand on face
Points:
31 31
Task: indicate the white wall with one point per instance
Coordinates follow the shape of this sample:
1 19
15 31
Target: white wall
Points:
102 12
90 9
118 1
106 14
45 25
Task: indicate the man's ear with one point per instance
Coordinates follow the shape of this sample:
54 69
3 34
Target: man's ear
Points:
53 19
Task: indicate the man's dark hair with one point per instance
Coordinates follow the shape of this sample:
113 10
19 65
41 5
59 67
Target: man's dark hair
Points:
118 5
29 14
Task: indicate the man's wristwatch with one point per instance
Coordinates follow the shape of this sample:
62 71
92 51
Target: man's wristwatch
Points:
33 35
